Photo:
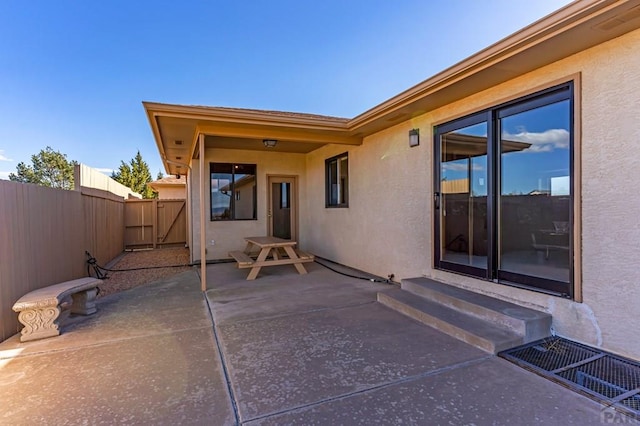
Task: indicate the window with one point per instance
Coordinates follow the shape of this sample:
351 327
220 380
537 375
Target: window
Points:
285 197
233 191
337 181
504 193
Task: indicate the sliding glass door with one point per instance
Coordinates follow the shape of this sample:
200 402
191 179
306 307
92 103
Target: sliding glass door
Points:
504 196
462 197
535 195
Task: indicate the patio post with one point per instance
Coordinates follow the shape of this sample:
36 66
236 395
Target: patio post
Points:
203 228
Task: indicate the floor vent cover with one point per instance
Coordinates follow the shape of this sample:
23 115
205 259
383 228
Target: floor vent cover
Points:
610 379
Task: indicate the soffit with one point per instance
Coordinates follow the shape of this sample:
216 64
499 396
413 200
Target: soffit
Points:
176 128
299 147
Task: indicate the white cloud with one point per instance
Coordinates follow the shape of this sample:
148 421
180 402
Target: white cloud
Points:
541 142
4 157
4 175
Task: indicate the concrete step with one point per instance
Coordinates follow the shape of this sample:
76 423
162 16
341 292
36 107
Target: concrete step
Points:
529 323
479 333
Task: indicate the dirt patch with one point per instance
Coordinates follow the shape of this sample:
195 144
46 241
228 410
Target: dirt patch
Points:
166 257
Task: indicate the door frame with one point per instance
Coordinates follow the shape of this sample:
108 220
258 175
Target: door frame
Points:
293 199
491 114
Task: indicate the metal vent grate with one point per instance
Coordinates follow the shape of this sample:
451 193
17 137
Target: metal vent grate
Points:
608 378
552 354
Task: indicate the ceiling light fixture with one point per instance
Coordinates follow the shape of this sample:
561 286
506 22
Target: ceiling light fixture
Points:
269 143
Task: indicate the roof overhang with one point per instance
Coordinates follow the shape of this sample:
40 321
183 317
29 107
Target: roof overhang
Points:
176 129
163 185
572 29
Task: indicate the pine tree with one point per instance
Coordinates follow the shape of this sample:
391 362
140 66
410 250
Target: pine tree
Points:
135 175
50 168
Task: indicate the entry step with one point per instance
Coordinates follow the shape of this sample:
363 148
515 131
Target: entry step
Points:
488 323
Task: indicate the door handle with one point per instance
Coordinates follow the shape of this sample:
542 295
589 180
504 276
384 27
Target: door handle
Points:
436 200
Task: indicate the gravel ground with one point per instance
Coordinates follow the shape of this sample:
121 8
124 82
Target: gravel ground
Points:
121 281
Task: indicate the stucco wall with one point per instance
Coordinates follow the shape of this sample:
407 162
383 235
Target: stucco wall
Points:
171 192
388 225
611 199
383 228
228 235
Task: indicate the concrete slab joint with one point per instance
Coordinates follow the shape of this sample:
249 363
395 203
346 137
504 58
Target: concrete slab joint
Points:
43 311
288 349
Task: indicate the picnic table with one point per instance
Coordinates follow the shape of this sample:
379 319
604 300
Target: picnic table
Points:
272 251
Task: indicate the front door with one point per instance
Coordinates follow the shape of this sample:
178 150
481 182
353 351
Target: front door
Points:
282 213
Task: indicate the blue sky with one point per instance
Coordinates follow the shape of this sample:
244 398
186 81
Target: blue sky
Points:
73 73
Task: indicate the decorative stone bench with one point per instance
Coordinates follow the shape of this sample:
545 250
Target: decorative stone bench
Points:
43 311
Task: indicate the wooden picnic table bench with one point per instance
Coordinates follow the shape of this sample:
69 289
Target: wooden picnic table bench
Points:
43 311
273 251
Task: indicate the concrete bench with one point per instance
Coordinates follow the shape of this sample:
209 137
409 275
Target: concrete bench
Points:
43 311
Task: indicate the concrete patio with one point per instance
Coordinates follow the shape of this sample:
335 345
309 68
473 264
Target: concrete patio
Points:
283 349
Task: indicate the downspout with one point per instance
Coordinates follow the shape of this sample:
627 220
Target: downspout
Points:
203 229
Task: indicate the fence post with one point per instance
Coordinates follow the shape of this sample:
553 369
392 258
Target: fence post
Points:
154 209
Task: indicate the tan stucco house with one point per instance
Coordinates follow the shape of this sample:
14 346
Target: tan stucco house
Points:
510 174
170 187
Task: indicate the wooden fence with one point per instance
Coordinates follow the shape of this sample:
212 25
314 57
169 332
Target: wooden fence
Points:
44 233
154 223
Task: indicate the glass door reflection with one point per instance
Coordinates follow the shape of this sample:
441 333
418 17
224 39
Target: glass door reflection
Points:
463 198
535 195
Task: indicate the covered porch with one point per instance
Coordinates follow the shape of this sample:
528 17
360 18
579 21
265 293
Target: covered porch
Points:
246 171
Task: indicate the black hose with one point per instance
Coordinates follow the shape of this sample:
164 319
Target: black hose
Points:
93 263
373 280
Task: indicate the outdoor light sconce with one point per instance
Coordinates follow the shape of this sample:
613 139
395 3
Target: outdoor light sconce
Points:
269 143
414 137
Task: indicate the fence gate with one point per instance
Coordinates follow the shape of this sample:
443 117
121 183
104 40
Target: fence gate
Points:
153 223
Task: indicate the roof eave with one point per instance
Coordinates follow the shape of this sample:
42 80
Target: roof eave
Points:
235 122
247 116
581 12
